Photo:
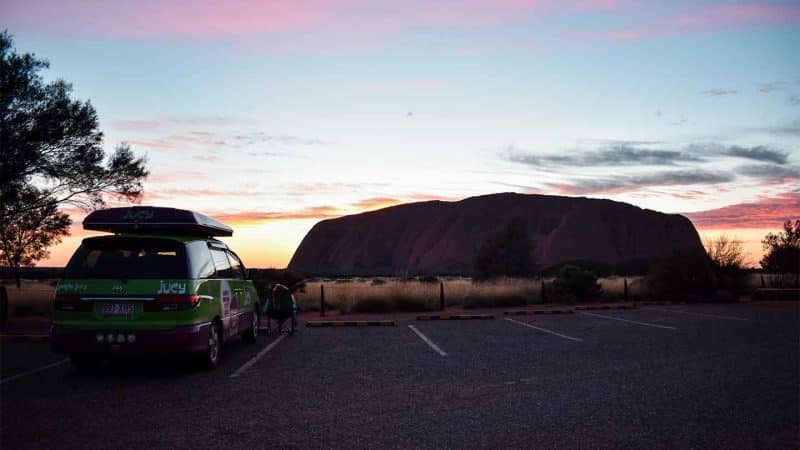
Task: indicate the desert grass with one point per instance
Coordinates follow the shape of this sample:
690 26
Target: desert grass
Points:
33 298
391 294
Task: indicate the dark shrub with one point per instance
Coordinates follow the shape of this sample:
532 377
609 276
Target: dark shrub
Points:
575 284
508 252
681 277
428 279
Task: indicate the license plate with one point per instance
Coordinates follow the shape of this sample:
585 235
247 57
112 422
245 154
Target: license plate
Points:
117 309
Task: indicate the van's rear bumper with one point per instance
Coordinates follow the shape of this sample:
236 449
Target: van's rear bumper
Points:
191 338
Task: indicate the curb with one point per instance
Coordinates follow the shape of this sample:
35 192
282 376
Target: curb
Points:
455 317
350 323
598 307
532 312
21 338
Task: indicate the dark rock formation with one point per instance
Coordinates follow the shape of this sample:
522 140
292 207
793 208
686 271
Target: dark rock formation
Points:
437 237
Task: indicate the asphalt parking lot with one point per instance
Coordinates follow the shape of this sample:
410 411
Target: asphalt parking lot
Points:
699 376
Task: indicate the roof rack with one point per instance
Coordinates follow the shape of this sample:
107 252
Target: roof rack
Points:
153 219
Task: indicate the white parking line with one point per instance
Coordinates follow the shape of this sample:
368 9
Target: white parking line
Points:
253 360
544 330
427 341
33 371
626 320
677 311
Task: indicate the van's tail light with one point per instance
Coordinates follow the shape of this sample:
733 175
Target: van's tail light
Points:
65 302
172 303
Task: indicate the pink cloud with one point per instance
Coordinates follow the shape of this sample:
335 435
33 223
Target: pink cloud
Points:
702 19
298 21
769 212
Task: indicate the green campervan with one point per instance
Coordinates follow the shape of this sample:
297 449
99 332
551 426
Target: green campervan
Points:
160 283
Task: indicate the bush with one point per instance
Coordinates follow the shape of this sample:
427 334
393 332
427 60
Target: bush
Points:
575 284
428 279
680 277
508 252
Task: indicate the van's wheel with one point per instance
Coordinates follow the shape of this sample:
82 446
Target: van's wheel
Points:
211 356
252 333
82 362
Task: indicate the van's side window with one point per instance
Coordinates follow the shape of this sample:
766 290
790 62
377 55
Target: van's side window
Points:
221 263
236 266
200 260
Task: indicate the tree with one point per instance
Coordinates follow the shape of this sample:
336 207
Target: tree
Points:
727 261
680 276
576 284
508 252
50 145
783 251
725 253
24 238
51 154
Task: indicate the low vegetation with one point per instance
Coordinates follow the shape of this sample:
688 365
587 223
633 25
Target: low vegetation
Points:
393 294
32 298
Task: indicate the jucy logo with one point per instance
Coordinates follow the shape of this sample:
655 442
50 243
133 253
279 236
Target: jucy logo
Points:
138 215
172 288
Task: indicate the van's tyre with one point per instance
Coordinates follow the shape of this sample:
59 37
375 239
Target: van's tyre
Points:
83 363
251 334
210 358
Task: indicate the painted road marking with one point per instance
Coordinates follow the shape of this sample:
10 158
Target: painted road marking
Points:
626 320
427 341
260 354
33 371
677 311
544 330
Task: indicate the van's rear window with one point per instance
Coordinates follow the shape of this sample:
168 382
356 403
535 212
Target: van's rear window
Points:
125 258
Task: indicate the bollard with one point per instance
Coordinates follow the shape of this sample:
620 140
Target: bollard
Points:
625 286
321 300
441 296
543 296
3 304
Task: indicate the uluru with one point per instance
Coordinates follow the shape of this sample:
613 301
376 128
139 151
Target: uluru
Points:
441 237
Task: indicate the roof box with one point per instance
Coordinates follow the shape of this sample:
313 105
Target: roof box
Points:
151 219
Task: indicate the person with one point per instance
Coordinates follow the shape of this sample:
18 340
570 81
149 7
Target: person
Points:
281 306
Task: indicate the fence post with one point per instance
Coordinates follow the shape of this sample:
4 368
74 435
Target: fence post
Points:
763 285
543 294
441 296
626 289
322 300
3 304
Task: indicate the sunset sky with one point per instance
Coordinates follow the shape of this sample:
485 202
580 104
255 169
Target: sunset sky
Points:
273 115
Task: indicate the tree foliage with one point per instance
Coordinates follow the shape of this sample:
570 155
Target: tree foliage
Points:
51 154
680 276
25 237
725 253
576 284
508 252
51 146
783 251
